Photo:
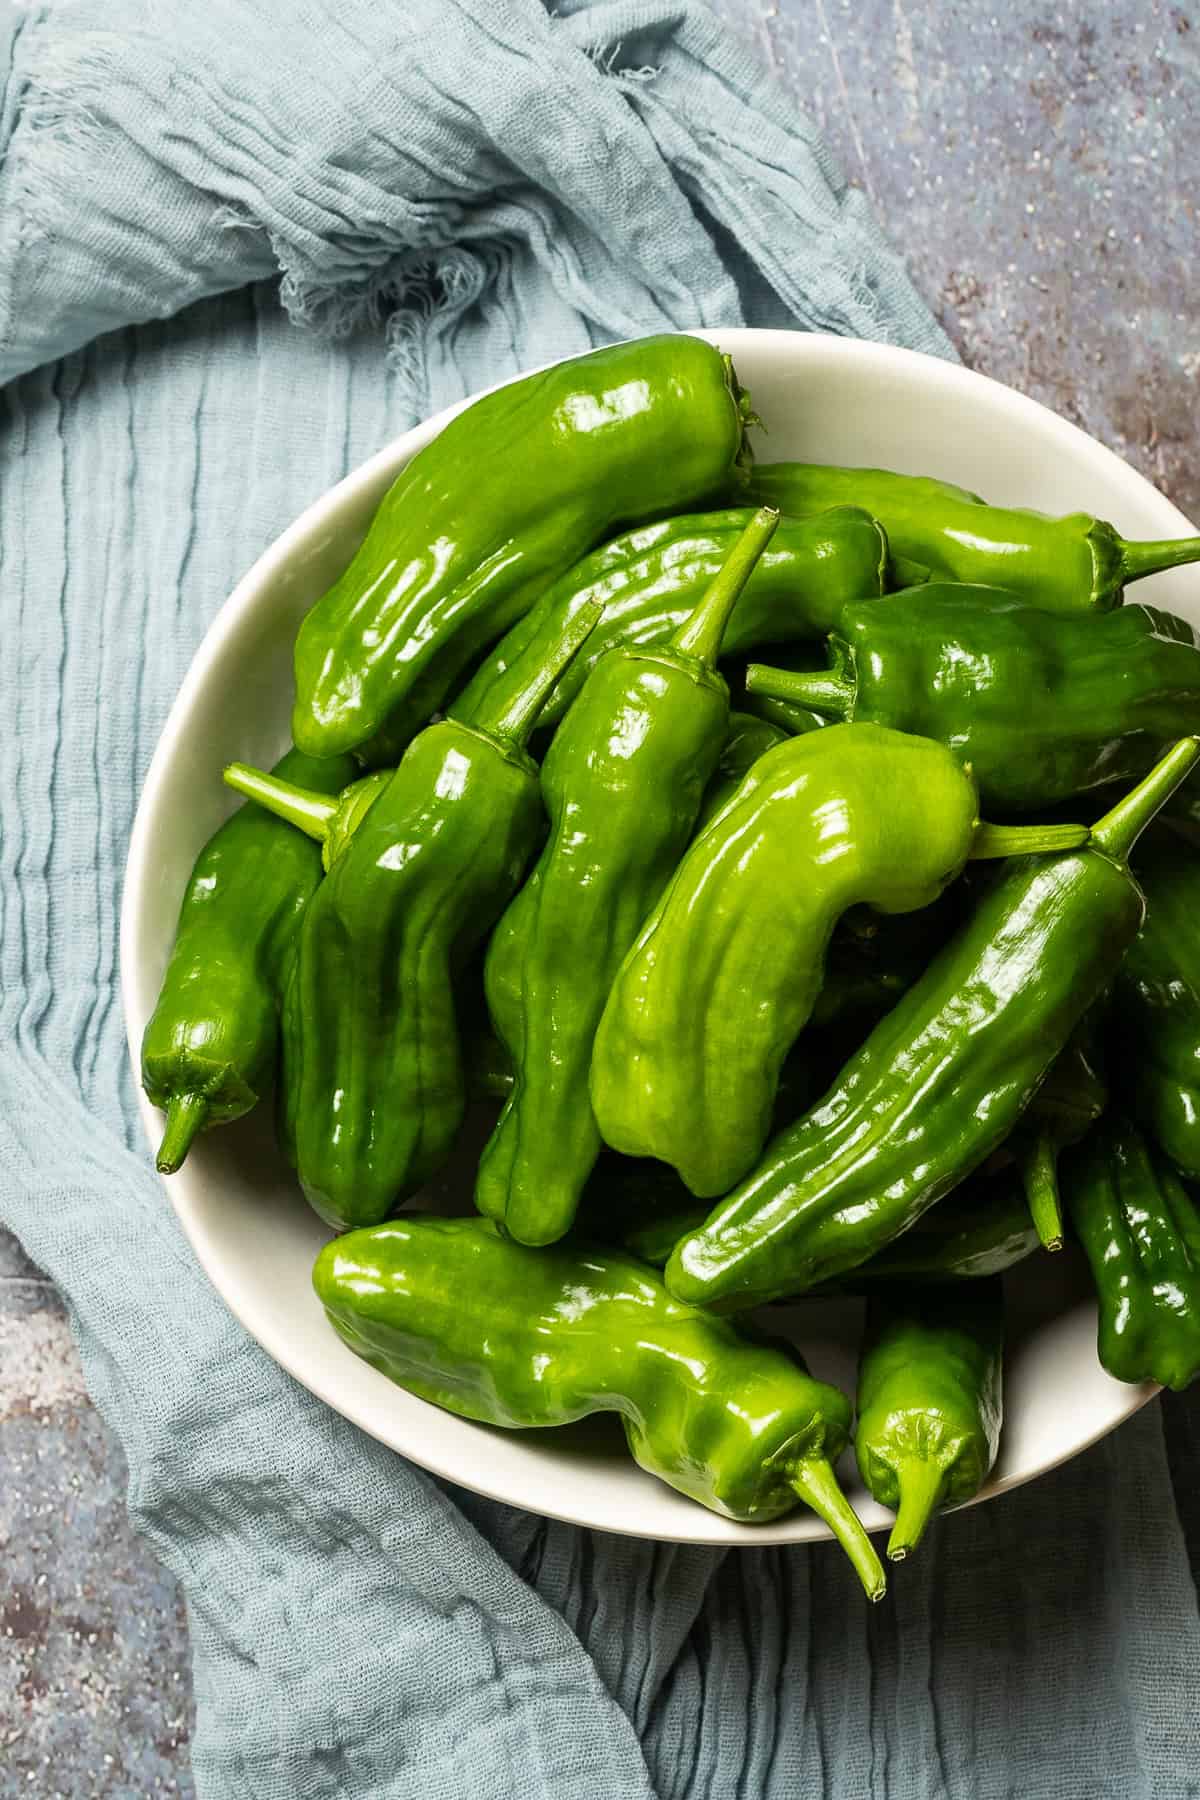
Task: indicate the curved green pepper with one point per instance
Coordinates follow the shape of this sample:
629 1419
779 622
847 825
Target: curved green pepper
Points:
1156 1002
1043 707
1072 564
1140 1230
650 581
461 1316
942 1079
622 785
982 1228
1065 1107
506 498
211 1044
726 970
929 1400
374 1087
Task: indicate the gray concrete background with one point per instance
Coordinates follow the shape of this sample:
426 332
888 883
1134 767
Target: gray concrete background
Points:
1036 166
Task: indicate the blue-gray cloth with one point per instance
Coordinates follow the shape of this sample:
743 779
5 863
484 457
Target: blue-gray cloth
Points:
449 189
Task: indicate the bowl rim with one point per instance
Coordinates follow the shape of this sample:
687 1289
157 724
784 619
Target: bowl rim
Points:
943 375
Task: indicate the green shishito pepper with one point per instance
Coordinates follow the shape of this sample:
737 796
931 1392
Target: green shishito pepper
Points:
727 968
649 582
501 503
461 1316
1042 706
1072 564
1065 1107
373 1079
1140 1230
210 1047
982 1228
929 1400
942 1079
1156 1003
622 784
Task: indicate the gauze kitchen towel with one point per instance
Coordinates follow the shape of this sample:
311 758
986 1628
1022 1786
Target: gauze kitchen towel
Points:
448 191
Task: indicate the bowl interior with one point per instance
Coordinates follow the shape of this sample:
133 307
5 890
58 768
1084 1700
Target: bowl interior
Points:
822 399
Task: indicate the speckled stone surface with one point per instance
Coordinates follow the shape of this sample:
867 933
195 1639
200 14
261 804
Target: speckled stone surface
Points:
1036 165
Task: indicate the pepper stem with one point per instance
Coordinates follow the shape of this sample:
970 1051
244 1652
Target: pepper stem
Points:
1039 1172
310 812
822 691
1121 827
815 1482
991 841
186 1114
701 632
922 1487
1148 557
517 713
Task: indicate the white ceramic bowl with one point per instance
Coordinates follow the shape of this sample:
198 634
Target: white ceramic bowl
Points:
823 399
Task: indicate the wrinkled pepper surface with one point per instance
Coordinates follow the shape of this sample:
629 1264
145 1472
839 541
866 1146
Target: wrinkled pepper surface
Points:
650 581
373 1079
930 1400
942 1079
1155 1028
211 1045
622 784
502 502
1042 706
1140 1230
1076 563
460 1315
726 970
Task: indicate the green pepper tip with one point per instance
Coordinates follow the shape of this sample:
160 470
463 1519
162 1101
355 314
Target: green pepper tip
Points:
817 1485
186 1116
1153 556
307 810
1119 830
516 717
824 691
921 1487
701 633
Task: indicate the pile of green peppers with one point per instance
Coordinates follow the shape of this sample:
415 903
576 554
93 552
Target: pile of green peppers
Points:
636 808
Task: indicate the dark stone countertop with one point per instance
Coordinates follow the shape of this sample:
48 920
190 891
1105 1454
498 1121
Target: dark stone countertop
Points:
1036 170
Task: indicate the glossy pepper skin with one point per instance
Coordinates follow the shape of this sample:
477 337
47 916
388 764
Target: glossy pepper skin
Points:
649 582
982 1228
622 785
1155 1027
211 1045
727 968
930 1400
1140 1230
374 1085
942 1079
1065 1107
1043 707
503 501
1076 563
457 1313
